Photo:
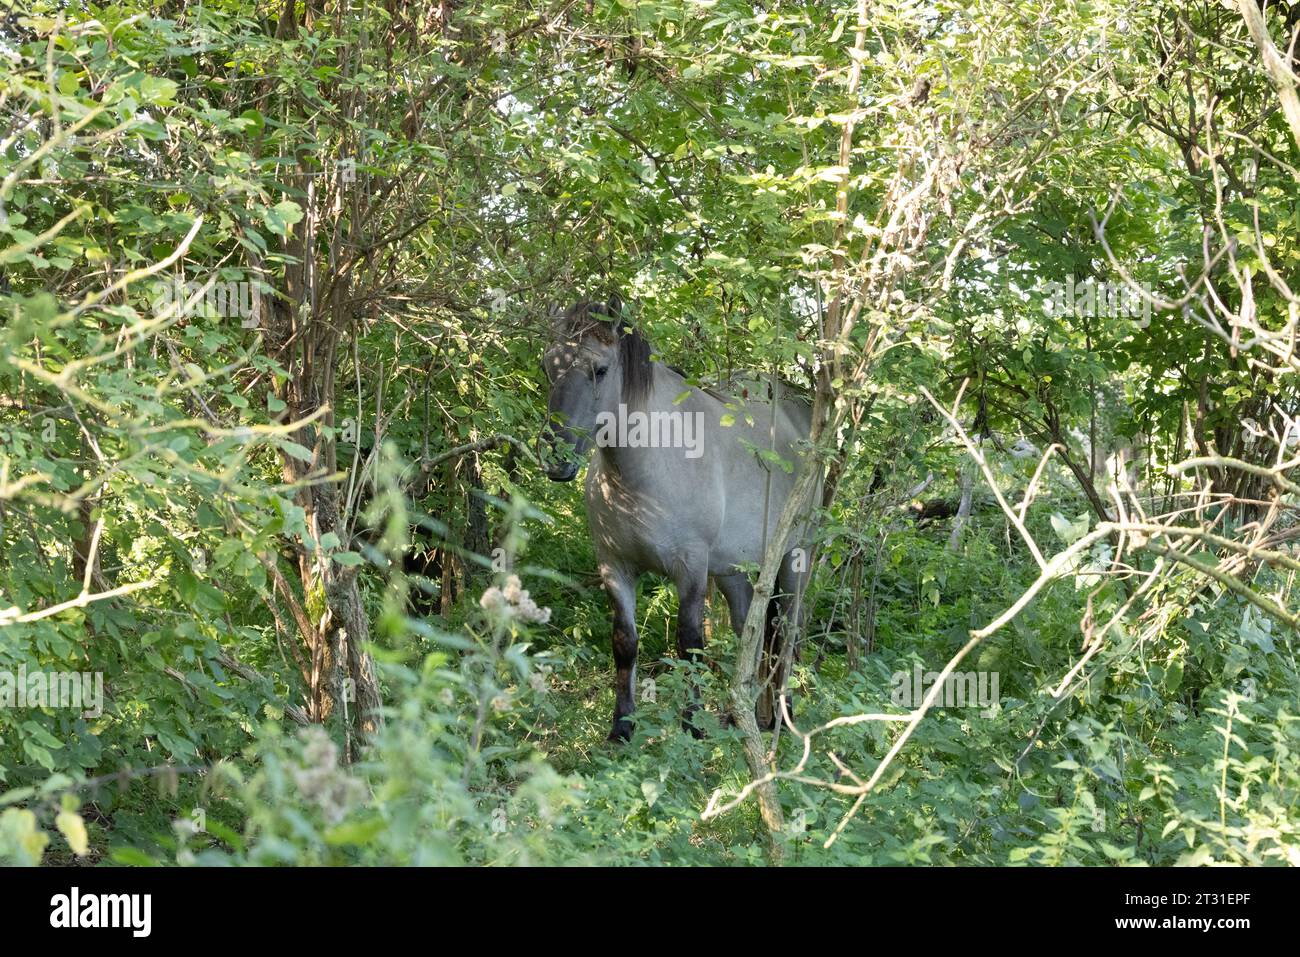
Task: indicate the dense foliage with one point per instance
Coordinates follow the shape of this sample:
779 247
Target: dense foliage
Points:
274 285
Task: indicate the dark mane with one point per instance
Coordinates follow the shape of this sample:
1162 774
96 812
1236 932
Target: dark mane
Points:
599 319
638 370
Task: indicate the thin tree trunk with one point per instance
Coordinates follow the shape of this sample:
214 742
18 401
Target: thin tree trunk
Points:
964 506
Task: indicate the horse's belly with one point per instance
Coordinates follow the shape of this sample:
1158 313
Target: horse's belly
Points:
724 560
744 535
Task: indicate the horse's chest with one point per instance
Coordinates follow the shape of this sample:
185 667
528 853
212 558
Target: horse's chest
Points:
644 528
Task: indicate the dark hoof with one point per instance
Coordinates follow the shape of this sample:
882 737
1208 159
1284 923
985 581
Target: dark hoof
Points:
622 731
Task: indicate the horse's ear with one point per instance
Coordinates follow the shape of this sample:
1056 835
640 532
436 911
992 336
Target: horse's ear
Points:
614 308
555 315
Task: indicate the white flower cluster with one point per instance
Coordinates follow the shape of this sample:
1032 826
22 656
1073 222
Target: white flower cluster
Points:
321 780
513 601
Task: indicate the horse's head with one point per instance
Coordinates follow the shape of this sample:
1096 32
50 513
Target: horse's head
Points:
593 362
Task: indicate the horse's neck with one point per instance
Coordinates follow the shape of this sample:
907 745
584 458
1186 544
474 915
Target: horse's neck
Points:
645 463
665 386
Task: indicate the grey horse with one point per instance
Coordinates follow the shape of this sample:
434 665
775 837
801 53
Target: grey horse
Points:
677 485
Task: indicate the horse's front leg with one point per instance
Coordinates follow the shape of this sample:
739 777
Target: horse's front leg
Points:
621 589
692 586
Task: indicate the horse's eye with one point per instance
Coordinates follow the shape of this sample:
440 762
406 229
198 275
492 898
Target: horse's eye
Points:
600 372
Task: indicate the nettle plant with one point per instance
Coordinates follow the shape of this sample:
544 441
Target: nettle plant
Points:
450 776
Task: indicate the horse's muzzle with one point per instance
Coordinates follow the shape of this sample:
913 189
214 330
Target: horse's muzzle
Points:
557 466
562 471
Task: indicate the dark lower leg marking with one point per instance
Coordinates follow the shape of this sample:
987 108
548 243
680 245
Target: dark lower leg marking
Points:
624 680
690 647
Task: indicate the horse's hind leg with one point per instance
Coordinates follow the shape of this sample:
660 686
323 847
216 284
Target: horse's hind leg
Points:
768 707
621 589
784 626
792 581
691 589
739 594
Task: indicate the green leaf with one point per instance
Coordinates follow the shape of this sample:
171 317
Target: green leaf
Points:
355 832
1070 531
294 450
131 857
280 218
73 829
21 840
